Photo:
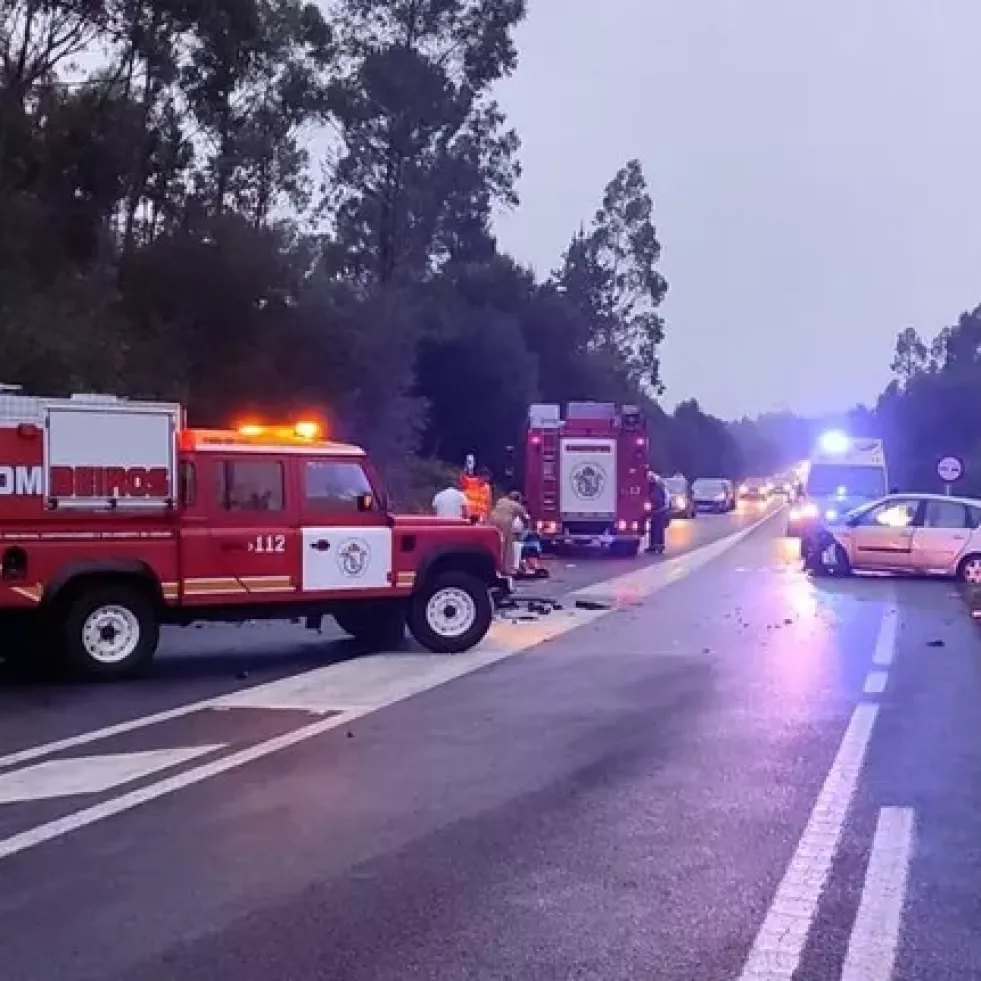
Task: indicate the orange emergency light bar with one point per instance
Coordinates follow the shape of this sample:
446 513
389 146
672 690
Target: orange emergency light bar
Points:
304 429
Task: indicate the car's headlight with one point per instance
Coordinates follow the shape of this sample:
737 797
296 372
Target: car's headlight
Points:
804 511
830 515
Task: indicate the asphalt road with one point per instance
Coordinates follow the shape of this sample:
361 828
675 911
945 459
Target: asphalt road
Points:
209 660
734 772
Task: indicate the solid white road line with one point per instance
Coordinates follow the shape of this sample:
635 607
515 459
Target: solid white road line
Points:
874 940
301 690
775 954
313 691
875 682
92 774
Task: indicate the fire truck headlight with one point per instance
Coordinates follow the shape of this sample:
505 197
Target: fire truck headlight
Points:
621 525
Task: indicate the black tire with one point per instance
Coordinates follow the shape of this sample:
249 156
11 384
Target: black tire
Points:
120 608
816 563
443 595
377 623
965 564
625 550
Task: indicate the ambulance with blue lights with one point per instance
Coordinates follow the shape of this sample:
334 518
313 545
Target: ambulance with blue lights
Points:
843 472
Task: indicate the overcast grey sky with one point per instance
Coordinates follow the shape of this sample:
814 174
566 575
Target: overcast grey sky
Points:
816 169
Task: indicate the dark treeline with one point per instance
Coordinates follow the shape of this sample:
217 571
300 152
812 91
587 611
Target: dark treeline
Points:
270 206
266 206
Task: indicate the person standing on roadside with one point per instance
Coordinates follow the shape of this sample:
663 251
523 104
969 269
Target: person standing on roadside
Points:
451 502
660 503
506 513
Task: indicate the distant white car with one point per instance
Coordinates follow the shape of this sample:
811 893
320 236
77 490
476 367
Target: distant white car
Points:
914 533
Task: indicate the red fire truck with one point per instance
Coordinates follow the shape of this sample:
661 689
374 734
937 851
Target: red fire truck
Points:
116 518
586 475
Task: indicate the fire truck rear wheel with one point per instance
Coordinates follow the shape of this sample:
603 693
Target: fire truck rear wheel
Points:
451 613
109 631
379 623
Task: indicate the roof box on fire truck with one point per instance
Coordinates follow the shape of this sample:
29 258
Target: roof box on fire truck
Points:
96 452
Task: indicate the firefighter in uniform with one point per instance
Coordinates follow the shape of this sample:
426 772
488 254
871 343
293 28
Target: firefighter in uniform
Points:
660 512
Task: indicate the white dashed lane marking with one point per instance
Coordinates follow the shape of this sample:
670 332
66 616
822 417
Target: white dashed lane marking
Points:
875 936
875 682
776 952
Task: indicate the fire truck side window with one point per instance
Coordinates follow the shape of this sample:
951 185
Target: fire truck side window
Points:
335 485
250 485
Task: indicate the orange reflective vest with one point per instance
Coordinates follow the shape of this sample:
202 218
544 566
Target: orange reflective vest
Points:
478 495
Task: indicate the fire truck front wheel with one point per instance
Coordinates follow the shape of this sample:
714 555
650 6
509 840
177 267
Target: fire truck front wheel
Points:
109 631
451 613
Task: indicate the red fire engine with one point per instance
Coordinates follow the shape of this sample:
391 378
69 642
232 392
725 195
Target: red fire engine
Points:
586 475
116 518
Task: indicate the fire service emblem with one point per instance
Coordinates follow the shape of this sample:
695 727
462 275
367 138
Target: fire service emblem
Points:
353 557
588 480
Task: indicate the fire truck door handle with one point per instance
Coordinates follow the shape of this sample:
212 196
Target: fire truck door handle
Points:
320 545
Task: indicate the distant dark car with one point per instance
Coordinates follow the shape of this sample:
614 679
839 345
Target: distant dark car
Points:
713 494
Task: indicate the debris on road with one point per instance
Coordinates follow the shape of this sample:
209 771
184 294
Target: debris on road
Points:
586 604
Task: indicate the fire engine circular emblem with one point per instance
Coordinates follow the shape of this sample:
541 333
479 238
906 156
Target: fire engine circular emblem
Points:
588 480
353 557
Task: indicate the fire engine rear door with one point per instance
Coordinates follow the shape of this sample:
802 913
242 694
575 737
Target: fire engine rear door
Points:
588 484
342 547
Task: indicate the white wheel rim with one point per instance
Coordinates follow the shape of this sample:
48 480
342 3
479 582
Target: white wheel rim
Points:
972 572
451 612
110 634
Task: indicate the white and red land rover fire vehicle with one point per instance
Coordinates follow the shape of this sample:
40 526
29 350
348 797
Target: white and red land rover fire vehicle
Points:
586 475
116 518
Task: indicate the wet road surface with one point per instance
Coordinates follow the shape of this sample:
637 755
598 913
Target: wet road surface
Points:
210 660
735 772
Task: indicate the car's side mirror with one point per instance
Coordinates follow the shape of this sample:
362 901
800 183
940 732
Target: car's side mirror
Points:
366 502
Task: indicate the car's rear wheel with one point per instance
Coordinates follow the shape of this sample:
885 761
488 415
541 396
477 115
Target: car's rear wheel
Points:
451 613
969 570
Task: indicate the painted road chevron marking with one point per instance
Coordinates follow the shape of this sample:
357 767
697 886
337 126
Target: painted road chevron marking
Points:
91 774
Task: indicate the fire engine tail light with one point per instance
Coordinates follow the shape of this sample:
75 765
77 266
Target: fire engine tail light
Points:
27 430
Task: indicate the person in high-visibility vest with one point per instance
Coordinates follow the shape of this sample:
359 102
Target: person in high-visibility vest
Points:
471 486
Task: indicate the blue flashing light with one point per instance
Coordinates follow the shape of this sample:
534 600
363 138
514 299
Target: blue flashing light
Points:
834 441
